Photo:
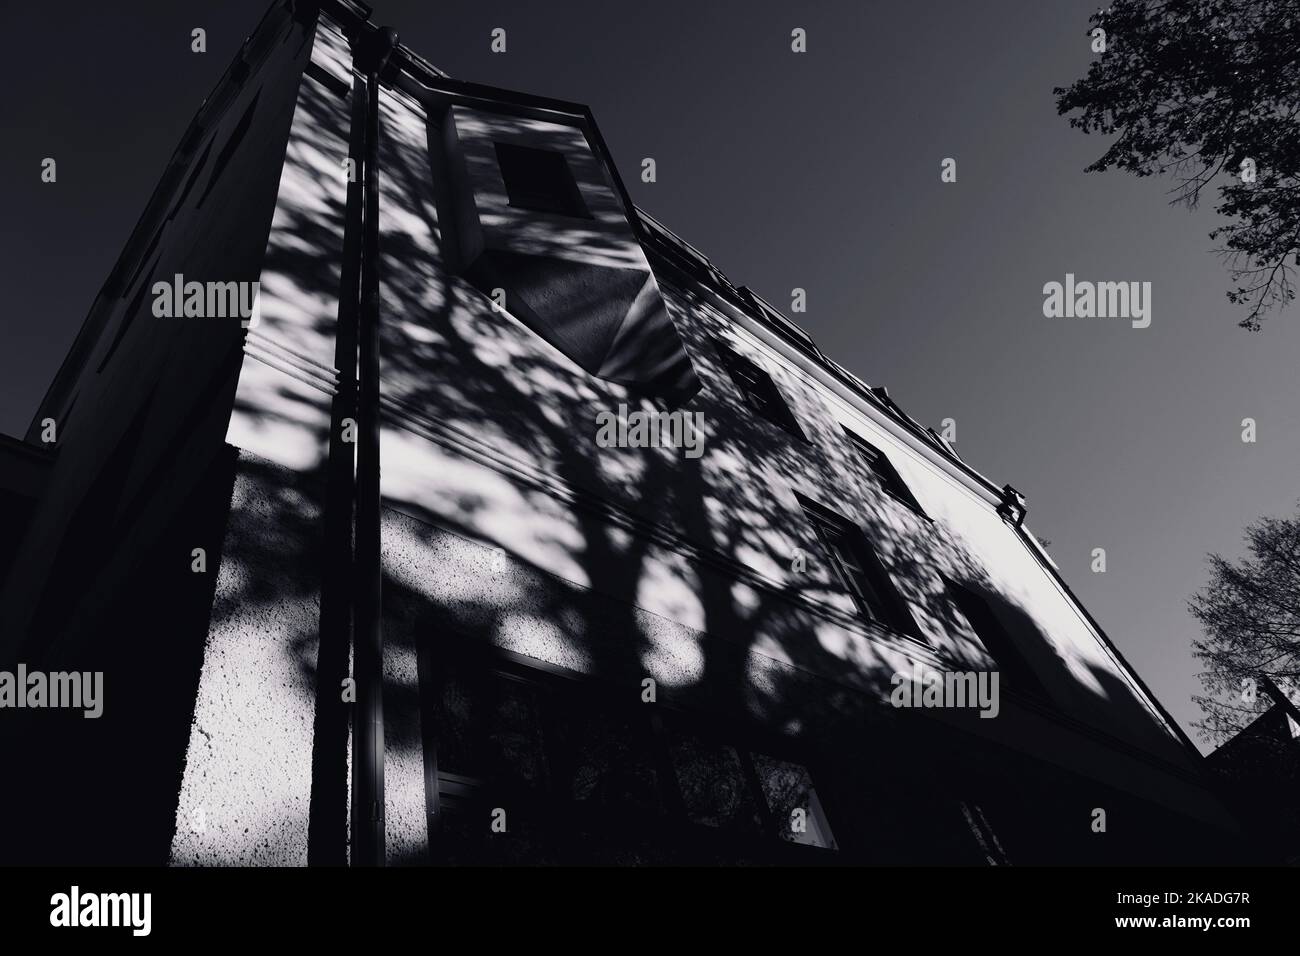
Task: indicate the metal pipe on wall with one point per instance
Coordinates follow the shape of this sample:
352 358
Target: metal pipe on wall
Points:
371 52
327 827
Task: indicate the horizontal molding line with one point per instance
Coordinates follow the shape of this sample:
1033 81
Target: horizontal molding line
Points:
305 377
295 358
515 469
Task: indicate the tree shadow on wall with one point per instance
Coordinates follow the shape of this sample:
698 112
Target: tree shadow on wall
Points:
752 648
597 532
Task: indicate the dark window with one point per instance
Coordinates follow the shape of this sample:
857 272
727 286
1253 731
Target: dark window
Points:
731 788
328 80
883 471
610 771
492 732
714 786
760 391
1015 672
540 179
587 775
858 568
796 809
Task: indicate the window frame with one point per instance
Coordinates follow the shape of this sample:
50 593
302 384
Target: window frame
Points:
885 607
1018 675
562 196
560 693
883 471
761 393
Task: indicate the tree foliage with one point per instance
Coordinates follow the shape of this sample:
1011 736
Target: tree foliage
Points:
1194 89
1250 613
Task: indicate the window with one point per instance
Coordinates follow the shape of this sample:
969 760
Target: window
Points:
760 391
540 179
795 807
610 770
730 788
884 472
858 568
328 80
714 785
588 777
1015 672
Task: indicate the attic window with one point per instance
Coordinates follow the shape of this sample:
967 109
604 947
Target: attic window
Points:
885 474
540 180
858 568
1016 671
760 391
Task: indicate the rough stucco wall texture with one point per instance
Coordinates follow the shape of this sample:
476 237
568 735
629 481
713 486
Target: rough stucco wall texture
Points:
246 790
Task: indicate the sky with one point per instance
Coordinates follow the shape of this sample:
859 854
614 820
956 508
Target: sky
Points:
818 170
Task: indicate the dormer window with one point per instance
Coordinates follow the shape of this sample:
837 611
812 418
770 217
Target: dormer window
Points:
540 180
760 391
883 471
858 569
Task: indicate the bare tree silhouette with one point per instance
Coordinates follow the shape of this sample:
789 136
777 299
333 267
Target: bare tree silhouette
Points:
1250 613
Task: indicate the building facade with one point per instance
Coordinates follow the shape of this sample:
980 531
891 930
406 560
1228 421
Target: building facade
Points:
508 529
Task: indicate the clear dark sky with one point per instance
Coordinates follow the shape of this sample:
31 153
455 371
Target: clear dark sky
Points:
818 170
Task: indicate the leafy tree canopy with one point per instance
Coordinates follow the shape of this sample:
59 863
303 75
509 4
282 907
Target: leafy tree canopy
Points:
1207 91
